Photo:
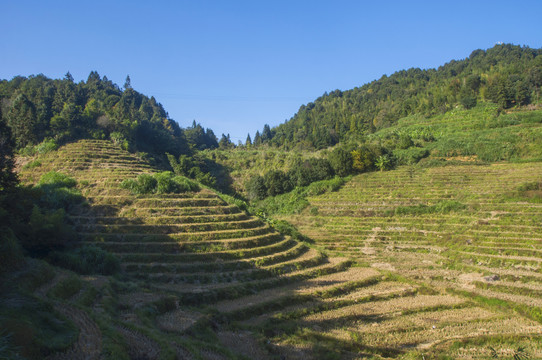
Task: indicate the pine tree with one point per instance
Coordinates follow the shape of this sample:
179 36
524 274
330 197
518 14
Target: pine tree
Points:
8 178
127 83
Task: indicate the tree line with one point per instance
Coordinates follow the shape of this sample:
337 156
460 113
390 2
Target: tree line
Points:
37 108
507 75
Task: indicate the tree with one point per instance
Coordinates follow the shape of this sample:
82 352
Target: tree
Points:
256 189
266 133
473 83
383 162
68 77
257 139
225 142
8 179
22 121
341 161
277 182
127 83
248 141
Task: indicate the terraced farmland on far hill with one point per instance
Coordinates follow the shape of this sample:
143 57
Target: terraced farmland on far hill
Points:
463 231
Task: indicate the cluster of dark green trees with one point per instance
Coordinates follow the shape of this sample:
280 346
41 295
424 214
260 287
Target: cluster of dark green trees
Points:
36 108
344 160
506 75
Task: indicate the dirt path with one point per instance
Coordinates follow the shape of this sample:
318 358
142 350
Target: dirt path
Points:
89 343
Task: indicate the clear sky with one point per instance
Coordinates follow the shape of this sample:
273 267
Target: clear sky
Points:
236 65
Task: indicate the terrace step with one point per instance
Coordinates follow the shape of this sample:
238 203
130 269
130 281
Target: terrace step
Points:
211 256
218 265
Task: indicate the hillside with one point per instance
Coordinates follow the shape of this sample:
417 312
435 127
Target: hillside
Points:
398 220
202 279
506 75
192 267
465 230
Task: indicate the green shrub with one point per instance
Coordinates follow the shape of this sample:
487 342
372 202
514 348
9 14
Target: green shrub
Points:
57 180
184 184
46 146
255 188
87 260
384 162
296 200
32 165
161 183
410 156
66 288
304 172
341 161
277 182
120 140
57 190
11 256
46 230
35 327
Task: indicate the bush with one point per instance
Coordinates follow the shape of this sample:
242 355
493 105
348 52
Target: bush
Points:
57 180
277 182
67 288
57 190
255 188
363 159
120 140
410 156
161 183
304 172
46 230
11 256
87 260
46 146
384 162
32 164
341 161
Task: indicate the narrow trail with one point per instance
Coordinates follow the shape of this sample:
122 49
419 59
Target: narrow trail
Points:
89 342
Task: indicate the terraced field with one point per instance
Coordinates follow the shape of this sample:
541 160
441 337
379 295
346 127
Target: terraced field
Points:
182 256
464 232
202 279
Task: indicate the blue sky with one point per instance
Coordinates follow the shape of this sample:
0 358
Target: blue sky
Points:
236 65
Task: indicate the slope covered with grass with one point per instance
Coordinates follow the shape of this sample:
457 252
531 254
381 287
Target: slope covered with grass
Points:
467 231
194 271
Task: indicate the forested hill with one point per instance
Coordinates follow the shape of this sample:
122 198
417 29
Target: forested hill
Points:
507 75
37 108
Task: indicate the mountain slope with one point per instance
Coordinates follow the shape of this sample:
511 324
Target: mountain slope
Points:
506 75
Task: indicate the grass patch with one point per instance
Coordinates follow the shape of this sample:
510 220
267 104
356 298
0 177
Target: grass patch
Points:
88 259
66 288
442 207
534 313
296 200
160 183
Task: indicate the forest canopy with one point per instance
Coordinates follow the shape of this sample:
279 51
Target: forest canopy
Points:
38 108
507 75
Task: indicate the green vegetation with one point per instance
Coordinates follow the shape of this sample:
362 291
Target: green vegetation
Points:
295 201
87 259
505 75
160 183
38 108
103 254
